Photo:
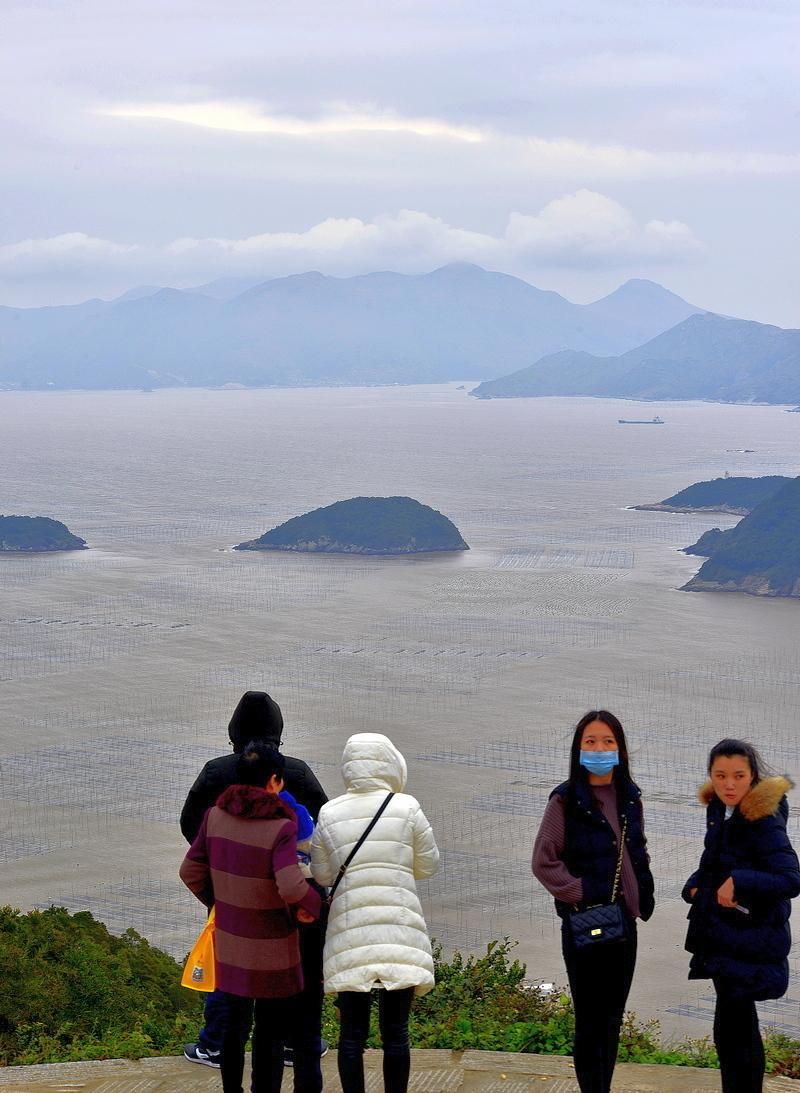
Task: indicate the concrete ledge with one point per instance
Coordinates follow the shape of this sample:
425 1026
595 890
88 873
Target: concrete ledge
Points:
431 1072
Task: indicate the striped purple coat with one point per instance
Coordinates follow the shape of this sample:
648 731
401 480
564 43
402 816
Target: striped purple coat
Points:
244 862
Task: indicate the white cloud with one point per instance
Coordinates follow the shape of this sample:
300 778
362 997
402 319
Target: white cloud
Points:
71 252
562 157
579 231
587 228
245 117
485 149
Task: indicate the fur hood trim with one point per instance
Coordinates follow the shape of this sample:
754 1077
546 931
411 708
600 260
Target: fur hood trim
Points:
254 803
762 800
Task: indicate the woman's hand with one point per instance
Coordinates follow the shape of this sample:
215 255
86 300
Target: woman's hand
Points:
692 893
304 916
725 895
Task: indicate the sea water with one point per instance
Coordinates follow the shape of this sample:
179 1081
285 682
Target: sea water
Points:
120 665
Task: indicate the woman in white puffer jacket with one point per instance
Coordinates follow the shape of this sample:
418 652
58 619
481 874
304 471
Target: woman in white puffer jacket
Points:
376 936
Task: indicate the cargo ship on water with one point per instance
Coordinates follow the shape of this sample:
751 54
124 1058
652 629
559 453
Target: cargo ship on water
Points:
649 421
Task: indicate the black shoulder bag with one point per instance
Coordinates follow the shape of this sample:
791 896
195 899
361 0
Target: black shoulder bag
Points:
604 922
358 846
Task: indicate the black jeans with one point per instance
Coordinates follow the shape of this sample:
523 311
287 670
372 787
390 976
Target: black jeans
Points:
305 1036
274 1019
600 979
737 1039
394 1008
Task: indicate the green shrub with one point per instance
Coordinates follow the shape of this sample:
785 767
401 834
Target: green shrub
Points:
483 1003
71 990
783 1055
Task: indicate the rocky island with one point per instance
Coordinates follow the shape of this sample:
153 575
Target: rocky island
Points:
32 534
364 525
736 496
761 555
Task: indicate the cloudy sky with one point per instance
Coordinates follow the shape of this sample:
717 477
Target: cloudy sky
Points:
575 143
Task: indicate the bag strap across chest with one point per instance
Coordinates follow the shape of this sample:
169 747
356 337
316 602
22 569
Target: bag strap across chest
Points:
358 845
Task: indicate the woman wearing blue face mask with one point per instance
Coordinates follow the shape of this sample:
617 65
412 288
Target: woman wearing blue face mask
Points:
589 818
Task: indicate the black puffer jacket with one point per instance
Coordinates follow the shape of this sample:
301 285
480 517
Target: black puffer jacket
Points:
744 951
591 848
256 717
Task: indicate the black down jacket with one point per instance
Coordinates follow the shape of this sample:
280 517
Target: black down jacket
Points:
744 949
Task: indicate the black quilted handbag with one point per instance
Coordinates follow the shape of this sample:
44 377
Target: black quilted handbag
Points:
605 922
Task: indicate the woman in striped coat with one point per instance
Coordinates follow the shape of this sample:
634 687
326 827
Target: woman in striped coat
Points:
244 862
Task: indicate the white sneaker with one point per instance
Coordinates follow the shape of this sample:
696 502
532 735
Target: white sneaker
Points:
195 1054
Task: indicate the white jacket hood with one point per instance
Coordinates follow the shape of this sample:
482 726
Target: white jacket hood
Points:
371 761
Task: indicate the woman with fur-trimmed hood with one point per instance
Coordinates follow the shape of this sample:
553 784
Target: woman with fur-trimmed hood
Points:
740 895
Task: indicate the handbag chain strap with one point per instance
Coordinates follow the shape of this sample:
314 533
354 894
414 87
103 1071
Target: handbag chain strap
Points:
618 873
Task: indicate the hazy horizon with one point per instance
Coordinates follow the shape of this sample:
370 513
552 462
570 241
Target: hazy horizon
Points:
246 282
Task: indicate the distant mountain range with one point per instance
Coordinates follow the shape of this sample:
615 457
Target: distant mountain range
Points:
705 356
455 322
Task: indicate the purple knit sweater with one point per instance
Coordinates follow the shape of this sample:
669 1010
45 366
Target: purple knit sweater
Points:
548 850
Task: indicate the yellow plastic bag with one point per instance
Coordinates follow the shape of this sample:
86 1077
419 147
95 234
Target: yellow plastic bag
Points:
200 973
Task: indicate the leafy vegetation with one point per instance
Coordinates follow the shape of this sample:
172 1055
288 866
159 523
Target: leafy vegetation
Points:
71 990
484 1003
74 991
34 533
364 525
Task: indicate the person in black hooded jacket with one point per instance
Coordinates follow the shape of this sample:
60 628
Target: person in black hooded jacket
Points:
740 895
258 717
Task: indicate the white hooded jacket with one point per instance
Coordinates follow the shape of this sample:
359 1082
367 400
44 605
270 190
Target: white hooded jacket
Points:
376 934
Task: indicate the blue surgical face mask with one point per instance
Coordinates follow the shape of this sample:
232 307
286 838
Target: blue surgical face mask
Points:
599 762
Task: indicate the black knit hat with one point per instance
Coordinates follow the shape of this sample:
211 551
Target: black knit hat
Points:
256 717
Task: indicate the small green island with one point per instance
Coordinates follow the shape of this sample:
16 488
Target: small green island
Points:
736 496
364 525
36 534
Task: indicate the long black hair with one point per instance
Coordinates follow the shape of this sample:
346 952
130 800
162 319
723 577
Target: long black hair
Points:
730 747
577 773
258 762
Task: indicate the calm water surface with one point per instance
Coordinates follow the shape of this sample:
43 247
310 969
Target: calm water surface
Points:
120 665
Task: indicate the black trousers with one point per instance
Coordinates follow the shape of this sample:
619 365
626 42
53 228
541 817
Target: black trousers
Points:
737 1039
275 1019
394 1008
304 1035
600 980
